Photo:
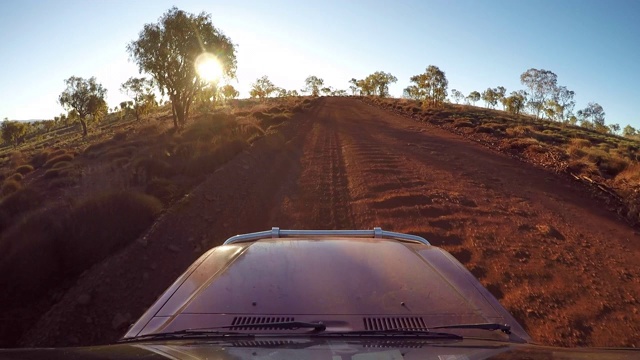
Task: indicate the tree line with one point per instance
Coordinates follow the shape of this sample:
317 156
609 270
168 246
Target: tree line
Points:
167 53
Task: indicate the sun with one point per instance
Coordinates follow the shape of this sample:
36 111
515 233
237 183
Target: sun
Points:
208 67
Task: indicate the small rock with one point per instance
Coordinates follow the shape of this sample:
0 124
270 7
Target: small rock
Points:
153 266
120 321
84 299
173 248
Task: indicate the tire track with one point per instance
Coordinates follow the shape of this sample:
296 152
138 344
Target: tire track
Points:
323 185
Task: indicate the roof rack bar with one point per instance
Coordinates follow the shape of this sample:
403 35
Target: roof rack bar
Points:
277 233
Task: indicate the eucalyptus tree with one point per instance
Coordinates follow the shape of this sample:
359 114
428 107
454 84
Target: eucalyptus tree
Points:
141 91
430 86
262 88
313 85
84 99
542 85
169 50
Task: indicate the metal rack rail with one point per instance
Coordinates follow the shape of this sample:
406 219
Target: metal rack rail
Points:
277 233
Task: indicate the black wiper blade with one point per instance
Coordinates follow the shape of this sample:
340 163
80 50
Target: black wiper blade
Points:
505 328
216 332
185 334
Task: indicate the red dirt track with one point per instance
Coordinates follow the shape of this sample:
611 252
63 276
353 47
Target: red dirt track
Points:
565 267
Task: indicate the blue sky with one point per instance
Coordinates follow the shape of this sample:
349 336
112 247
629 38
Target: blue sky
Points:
592 46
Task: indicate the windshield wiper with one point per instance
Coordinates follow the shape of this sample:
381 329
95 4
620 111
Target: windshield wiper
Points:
505 328
215 331
185 334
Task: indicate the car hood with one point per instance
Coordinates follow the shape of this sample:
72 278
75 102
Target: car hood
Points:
318 348
348 284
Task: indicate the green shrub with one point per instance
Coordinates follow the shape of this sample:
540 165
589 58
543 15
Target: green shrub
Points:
24 169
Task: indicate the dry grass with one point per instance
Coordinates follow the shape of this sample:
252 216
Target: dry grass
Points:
165 190
606 158
15 177
96 227
65 242
39 224
16 204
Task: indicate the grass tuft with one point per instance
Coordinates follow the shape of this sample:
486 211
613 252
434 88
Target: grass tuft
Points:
9 186
24 169
56 159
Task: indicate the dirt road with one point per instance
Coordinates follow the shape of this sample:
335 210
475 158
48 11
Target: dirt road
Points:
562 264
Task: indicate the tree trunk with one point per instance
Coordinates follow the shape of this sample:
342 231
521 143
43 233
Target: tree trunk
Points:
173 112
179 114
84 127
137 110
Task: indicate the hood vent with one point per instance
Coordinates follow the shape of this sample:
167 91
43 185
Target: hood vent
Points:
398 323
405 344
246 322
265 344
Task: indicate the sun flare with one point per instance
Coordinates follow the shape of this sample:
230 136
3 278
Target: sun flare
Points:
208 67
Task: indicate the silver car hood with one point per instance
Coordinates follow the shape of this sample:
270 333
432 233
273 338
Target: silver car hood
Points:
349 284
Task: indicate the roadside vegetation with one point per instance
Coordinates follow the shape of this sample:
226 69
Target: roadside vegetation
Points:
76 189
70 203
537 125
